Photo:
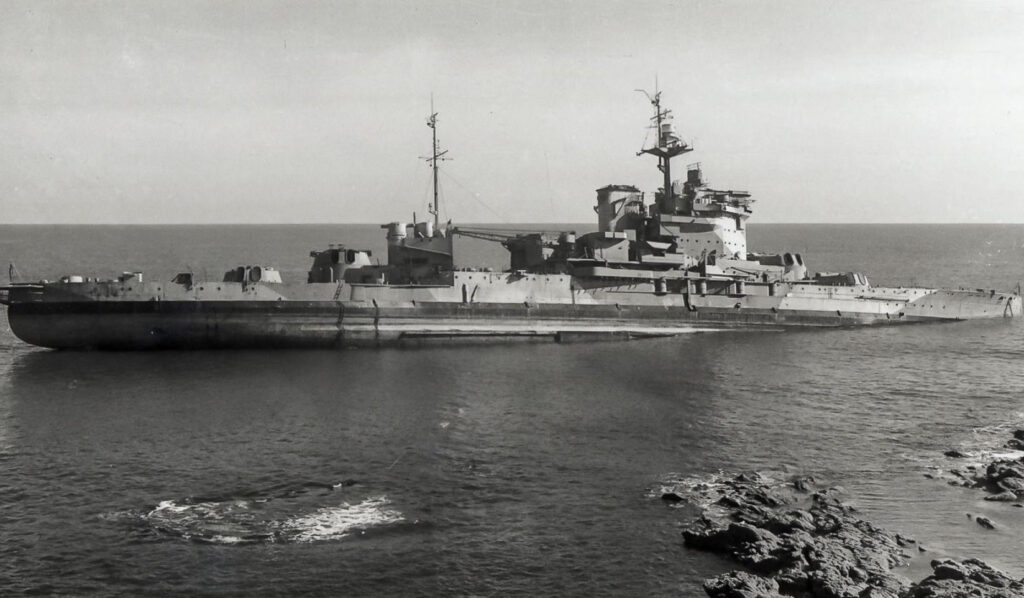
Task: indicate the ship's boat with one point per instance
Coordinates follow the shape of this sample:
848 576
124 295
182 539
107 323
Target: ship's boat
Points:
669 264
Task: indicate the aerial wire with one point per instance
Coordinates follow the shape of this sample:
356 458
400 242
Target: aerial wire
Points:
475 196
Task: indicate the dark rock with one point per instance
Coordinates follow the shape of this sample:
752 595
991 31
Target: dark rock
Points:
872 592
751 513
1005 496
829 582
825 551
997 476
971 577
1002 469
707 535
671 497
794 580
738 584
948 569
750 545
744 533
985 522
765 497
1015 443
803 483
1013 484
885 586
790 521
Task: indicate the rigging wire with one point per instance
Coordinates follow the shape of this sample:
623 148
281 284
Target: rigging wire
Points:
647 135
475 196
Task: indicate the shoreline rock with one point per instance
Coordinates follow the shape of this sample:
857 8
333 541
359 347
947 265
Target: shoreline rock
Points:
1002 477
969 577
822 551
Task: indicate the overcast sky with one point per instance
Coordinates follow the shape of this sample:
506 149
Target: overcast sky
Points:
219 112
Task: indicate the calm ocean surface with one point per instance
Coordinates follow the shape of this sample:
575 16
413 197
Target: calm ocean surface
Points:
498 470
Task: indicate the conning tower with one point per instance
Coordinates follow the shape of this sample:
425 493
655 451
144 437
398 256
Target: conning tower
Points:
689 215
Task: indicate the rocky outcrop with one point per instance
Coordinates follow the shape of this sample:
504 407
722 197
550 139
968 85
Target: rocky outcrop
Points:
823 550
1017 442
971 577
1003 477
738 584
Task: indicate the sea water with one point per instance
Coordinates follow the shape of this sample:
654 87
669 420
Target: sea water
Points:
529 469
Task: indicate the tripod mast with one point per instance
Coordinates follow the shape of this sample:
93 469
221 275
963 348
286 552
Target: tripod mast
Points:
668 144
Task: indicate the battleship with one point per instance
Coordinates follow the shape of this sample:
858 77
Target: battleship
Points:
670 264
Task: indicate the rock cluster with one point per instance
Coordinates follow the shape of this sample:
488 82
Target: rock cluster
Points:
969 577
822 551
1017 442
1002 477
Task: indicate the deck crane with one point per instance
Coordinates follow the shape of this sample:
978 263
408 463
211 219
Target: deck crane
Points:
505 235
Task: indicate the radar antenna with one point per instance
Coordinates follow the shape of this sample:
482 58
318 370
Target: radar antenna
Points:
668 144
436 155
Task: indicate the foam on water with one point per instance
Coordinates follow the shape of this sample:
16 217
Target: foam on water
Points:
259 518
983 445
704 491
332 523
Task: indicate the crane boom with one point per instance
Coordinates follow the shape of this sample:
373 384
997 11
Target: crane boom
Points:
498 235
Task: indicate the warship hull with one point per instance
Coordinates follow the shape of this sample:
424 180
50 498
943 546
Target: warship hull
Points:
676 265
500 308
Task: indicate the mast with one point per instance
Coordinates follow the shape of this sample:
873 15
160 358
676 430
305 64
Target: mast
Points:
436 155
668 144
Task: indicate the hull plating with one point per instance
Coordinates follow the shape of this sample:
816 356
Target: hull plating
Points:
131 325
